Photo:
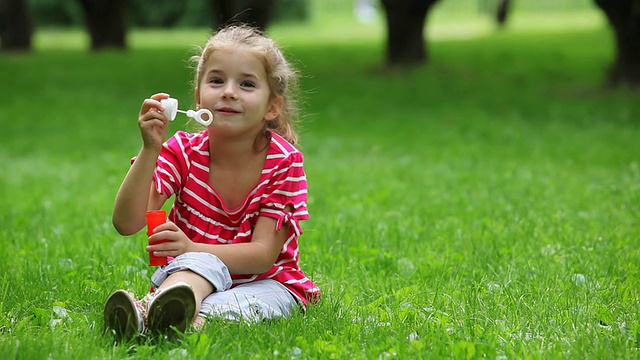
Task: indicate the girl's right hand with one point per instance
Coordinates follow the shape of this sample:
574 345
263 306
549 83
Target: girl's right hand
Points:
152 122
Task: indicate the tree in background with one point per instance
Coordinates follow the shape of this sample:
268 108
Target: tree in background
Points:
502 12
624 17
406 45
106 23
16 27
252 12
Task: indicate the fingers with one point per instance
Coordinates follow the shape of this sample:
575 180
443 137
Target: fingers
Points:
174 240
153 116
165 247
164 227
168 248
160 96
153 102
152 122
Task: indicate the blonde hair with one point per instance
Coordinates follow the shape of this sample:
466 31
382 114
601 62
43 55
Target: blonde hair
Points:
281 76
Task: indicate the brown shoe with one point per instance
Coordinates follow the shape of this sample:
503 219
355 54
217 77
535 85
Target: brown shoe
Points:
123 315
171 309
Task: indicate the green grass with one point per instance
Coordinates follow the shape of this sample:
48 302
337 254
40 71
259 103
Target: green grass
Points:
484 206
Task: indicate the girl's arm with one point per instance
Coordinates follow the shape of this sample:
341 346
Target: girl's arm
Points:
255 257
136 194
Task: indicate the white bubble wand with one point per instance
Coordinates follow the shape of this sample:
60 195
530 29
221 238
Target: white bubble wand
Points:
171 109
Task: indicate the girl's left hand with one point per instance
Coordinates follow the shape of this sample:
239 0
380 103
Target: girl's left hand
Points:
176 241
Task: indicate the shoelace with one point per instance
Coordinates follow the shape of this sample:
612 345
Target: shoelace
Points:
143 305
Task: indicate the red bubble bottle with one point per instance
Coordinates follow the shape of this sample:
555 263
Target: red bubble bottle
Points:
156 218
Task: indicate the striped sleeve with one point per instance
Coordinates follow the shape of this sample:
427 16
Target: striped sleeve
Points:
287 187
172 165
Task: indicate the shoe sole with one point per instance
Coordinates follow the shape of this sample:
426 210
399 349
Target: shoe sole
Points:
120 315
172 310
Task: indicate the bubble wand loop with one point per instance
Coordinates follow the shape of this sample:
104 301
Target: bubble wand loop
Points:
171 109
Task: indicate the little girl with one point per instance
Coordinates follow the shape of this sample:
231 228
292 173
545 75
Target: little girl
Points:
240 192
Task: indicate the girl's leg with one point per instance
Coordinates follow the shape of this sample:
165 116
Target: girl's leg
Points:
201 286
205 272
254 301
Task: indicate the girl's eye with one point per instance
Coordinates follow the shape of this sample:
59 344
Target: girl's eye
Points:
249 84
216 80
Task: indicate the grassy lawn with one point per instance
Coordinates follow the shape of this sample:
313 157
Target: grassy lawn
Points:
485 206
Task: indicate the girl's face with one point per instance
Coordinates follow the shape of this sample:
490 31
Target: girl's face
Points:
234 87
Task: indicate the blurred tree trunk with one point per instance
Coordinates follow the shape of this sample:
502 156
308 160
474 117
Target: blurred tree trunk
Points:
502 13
16 27
106 23
256 13
406 19
624 17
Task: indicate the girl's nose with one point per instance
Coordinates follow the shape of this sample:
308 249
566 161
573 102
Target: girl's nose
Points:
229 93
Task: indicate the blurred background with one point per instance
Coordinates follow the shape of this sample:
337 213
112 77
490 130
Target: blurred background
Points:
400 24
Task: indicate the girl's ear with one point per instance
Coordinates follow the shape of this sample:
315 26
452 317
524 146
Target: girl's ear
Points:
196 93
275 106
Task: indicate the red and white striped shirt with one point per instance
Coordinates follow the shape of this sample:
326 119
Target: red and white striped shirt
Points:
183 170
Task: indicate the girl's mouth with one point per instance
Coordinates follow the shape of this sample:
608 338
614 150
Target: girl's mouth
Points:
227 110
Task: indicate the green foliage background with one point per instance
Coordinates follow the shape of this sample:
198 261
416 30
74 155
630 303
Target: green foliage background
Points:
198 13
150 13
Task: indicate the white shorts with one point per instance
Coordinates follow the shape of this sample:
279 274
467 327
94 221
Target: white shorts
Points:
253 301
